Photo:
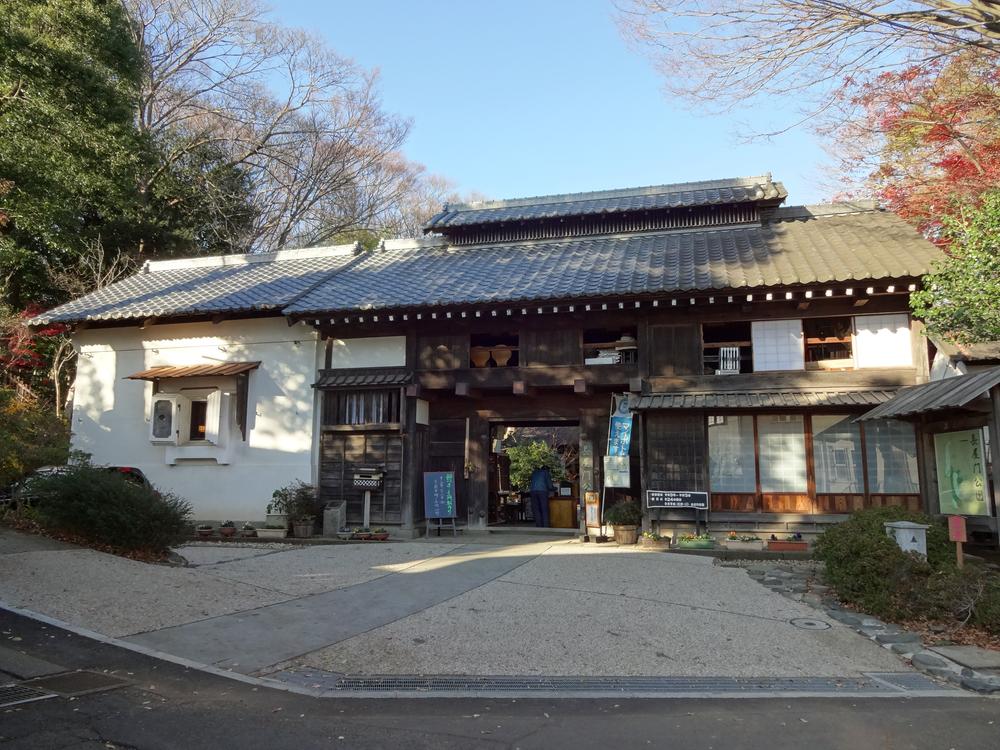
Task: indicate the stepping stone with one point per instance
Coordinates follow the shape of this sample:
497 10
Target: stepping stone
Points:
897 637
973 657
845 617
927 660
984 685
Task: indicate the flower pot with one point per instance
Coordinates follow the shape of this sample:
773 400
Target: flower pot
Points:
480 356
302 529
662 543
205 533
276 519
380 537
501 355
227 531
271 533
248 533
362 535
696 544
787 546
625 535
738 546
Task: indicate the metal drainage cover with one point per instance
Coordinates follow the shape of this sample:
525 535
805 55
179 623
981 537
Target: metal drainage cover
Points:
78 683
14 694
807 623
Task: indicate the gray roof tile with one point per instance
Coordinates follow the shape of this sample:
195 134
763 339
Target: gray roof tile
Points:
938 395
713 192
761 399
226 284
836 248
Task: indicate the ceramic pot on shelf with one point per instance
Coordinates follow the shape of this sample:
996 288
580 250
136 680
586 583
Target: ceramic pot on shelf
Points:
502 354
480 356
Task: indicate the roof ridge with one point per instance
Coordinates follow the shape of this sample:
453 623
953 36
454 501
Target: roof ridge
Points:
239 259
614 193
831 208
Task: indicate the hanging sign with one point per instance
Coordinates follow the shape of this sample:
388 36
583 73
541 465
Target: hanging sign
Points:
616 471
961 473
620 429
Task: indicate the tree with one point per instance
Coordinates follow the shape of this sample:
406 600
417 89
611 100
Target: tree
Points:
69 150
927 139
960 300
721 53
302 126
527 457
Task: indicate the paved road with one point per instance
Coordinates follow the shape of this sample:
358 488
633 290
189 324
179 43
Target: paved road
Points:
167 706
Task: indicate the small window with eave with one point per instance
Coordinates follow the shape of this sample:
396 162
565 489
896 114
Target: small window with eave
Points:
728 348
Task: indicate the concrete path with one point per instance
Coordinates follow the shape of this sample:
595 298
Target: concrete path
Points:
279 632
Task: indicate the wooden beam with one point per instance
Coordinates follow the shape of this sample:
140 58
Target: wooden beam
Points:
521 388
216 319
804 304
861 302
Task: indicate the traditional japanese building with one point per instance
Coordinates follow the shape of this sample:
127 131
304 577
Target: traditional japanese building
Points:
748 336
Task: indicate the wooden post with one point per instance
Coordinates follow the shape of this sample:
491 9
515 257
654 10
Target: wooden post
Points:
994 427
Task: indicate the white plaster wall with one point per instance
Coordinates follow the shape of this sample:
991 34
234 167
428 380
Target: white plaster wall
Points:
110 413
882 340
944 366
378 351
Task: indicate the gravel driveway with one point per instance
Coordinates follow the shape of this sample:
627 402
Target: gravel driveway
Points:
559 608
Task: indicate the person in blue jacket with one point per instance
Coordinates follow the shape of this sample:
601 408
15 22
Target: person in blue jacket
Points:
541 487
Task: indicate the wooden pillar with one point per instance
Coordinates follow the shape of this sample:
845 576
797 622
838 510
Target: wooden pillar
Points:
994 427
478 486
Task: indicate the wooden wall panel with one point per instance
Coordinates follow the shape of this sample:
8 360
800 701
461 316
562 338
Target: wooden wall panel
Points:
674 350
844 503
443 352
736 502
342 454
910 502
786 502
677 451
549 346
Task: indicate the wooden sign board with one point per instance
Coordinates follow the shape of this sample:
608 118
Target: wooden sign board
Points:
956 529
678 499
592 502
439 494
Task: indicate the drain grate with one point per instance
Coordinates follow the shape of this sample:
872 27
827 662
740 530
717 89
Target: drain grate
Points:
79 683
15 694
331 684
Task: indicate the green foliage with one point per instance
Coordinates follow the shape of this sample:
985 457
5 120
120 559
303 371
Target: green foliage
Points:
30 436
524 459
868 569
624 513
104 508
297 500
961 298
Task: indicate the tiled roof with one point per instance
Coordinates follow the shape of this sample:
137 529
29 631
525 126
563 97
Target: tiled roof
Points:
836 248
949 393
194 371
363 378
684 194
761 399
221 284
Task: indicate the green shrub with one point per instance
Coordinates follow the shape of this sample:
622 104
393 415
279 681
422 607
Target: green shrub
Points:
624 513
30 436
102 507
527 457
297 500
867 568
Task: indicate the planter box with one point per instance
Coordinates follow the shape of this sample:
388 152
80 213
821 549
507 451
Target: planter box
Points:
626 535
738 546
663 543
271 533
303 530
696 544
248 533
380 537
784 546
227 531
205 533
276 519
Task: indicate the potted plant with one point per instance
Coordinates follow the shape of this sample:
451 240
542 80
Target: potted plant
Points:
696 541
363 533
791 543
248 530
204 530
653 540
294 501
273 531
227 529
344 533
744 542
625 517
379 534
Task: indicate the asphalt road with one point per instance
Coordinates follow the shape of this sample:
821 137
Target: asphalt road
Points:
167 706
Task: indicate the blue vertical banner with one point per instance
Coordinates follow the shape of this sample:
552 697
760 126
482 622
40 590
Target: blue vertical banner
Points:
620 430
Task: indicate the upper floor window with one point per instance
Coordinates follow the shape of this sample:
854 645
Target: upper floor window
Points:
777 345
828 343
883 340
610 346
727 348
494 350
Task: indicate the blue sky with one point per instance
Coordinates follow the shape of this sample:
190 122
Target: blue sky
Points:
523 97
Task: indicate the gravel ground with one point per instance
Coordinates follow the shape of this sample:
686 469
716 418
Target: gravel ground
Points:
116 596
312 570
605 611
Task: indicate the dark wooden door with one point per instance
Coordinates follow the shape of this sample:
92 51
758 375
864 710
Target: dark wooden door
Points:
447 453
